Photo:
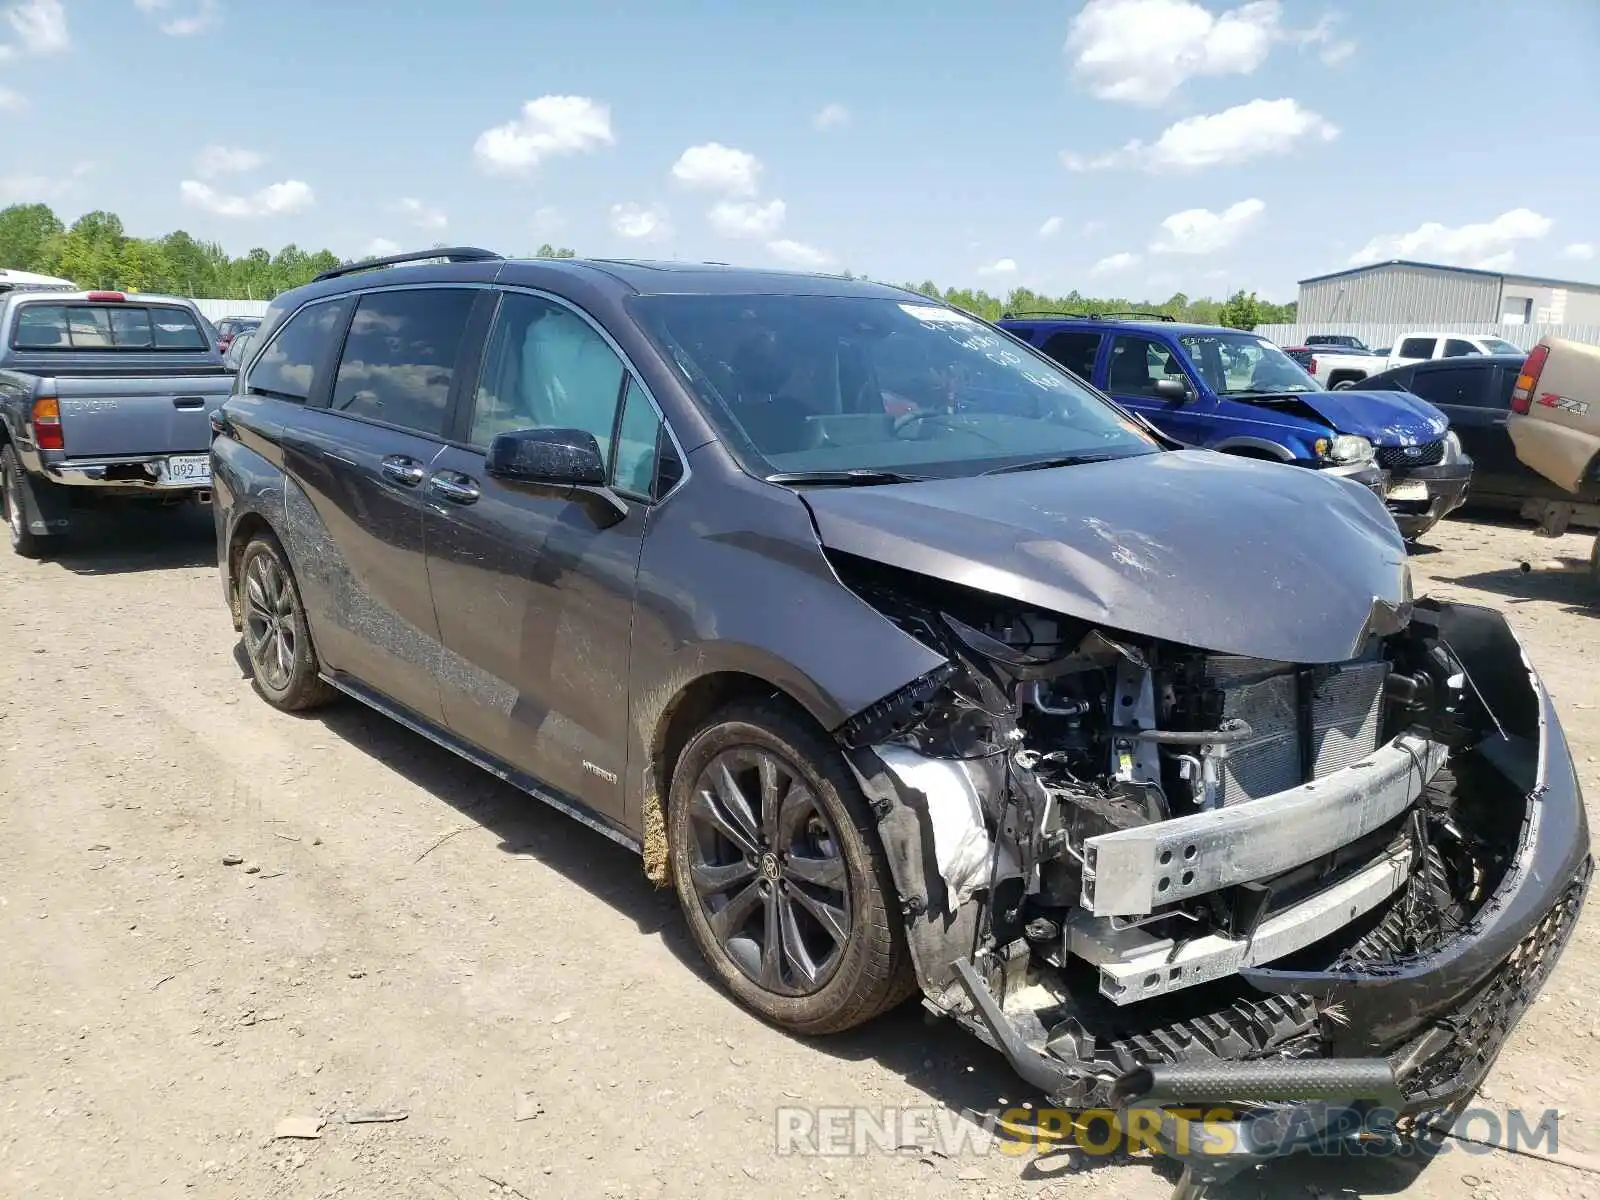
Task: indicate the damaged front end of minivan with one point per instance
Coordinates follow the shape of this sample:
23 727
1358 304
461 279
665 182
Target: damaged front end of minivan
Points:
1157 876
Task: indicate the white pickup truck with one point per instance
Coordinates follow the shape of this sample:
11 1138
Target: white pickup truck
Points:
1337 370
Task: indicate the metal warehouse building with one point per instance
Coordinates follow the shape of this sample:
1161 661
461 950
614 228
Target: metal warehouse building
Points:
1420 294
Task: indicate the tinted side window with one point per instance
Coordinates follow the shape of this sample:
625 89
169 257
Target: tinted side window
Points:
288 367
1137 363
1456 348
545 368
400 357
1467 386
1418 347
1074 351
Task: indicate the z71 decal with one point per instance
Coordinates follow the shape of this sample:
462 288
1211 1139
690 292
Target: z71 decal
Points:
1564 403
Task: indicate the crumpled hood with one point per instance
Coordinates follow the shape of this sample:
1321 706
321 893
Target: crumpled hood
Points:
1209 550
1383 418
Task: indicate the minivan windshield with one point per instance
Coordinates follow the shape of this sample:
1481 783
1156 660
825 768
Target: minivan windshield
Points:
1242 364
823 385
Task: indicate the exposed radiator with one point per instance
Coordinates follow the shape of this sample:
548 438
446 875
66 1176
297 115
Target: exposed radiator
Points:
1346 711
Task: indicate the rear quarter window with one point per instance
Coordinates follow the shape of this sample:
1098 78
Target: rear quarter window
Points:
106 327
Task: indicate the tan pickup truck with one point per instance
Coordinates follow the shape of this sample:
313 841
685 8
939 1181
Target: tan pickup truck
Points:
1555 427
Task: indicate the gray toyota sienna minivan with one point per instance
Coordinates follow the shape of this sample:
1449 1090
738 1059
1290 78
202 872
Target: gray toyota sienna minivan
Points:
917 666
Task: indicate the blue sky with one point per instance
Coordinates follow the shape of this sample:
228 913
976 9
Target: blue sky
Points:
1125 147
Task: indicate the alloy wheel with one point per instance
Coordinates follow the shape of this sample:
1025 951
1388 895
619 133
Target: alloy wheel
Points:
767 866
269 625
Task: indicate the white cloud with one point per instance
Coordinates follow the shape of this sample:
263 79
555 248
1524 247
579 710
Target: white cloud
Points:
1489 245
999 269
1142 51
40 25
1201 231
831 116
30 188
799 254
1051 227
1331 48
548 127
1114 262
1092 228
277 199
1581 251
1235 135
11 101
714 167
747 218
547 221
419 214
379 247
222 160
642 223
204 15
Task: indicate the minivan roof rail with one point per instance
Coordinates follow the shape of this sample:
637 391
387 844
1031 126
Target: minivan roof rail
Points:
453 254
1088 316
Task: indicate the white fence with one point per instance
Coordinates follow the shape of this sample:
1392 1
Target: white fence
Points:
215 310
1378 336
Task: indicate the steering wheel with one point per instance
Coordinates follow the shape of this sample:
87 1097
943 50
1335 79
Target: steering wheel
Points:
948 420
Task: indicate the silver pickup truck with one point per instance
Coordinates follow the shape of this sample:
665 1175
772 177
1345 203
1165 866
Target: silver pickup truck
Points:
103 396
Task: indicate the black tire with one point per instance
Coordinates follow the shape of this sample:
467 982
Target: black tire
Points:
870 972
24 542
1344 385
277 638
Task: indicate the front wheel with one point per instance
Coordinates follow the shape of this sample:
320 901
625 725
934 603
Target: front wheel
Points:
23 540
780 874
277 637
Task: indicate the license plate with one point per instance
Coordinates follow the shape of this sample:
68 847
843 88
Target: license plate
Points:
1410 489
189 468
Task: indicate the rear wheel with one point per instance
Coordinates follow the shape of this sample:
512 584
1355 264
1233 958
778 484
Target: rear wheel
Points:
277 638
1344 385
780 874
23 541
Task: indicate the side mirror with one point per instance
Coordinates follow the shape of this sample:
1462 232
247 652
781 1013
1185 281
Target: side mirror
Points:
560 457
1172 389
554 458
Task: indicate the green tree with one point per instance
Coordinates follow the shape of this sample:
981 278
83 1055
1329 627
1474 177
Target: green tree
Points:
549 251
1242 311
26 231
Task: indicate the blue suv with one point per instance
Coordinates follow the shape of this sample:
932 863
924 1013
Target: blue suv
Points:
1233 391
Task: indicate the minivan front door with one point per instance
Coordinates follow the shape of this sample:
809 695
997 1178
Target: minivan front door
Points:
534 586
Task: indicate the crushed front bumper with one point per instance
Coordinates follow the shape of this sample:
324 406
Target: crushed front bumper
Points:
1420 497
1415 1035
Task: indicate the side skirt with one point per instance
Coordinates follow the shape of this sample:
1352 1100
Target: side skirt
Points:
518 779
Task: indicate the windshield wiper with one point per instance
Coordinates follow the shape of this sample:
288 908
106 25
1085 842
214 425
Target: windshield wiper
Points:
1059 460
853 476
1268 391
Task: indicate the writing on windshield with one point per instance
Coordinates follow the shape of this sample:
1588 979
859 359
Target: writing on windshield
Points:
1243 364
855 383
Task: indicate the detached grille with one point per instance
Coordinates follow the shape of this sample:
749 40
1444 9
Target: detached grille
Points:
1398 457
1346 712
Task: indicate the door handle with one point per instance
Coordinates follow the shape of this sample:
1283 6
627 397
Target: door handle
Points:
407 472
188 402
458 489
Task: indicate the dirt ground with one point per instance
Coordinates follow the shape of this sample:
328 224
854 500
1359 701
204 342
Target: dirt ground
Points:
404 933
